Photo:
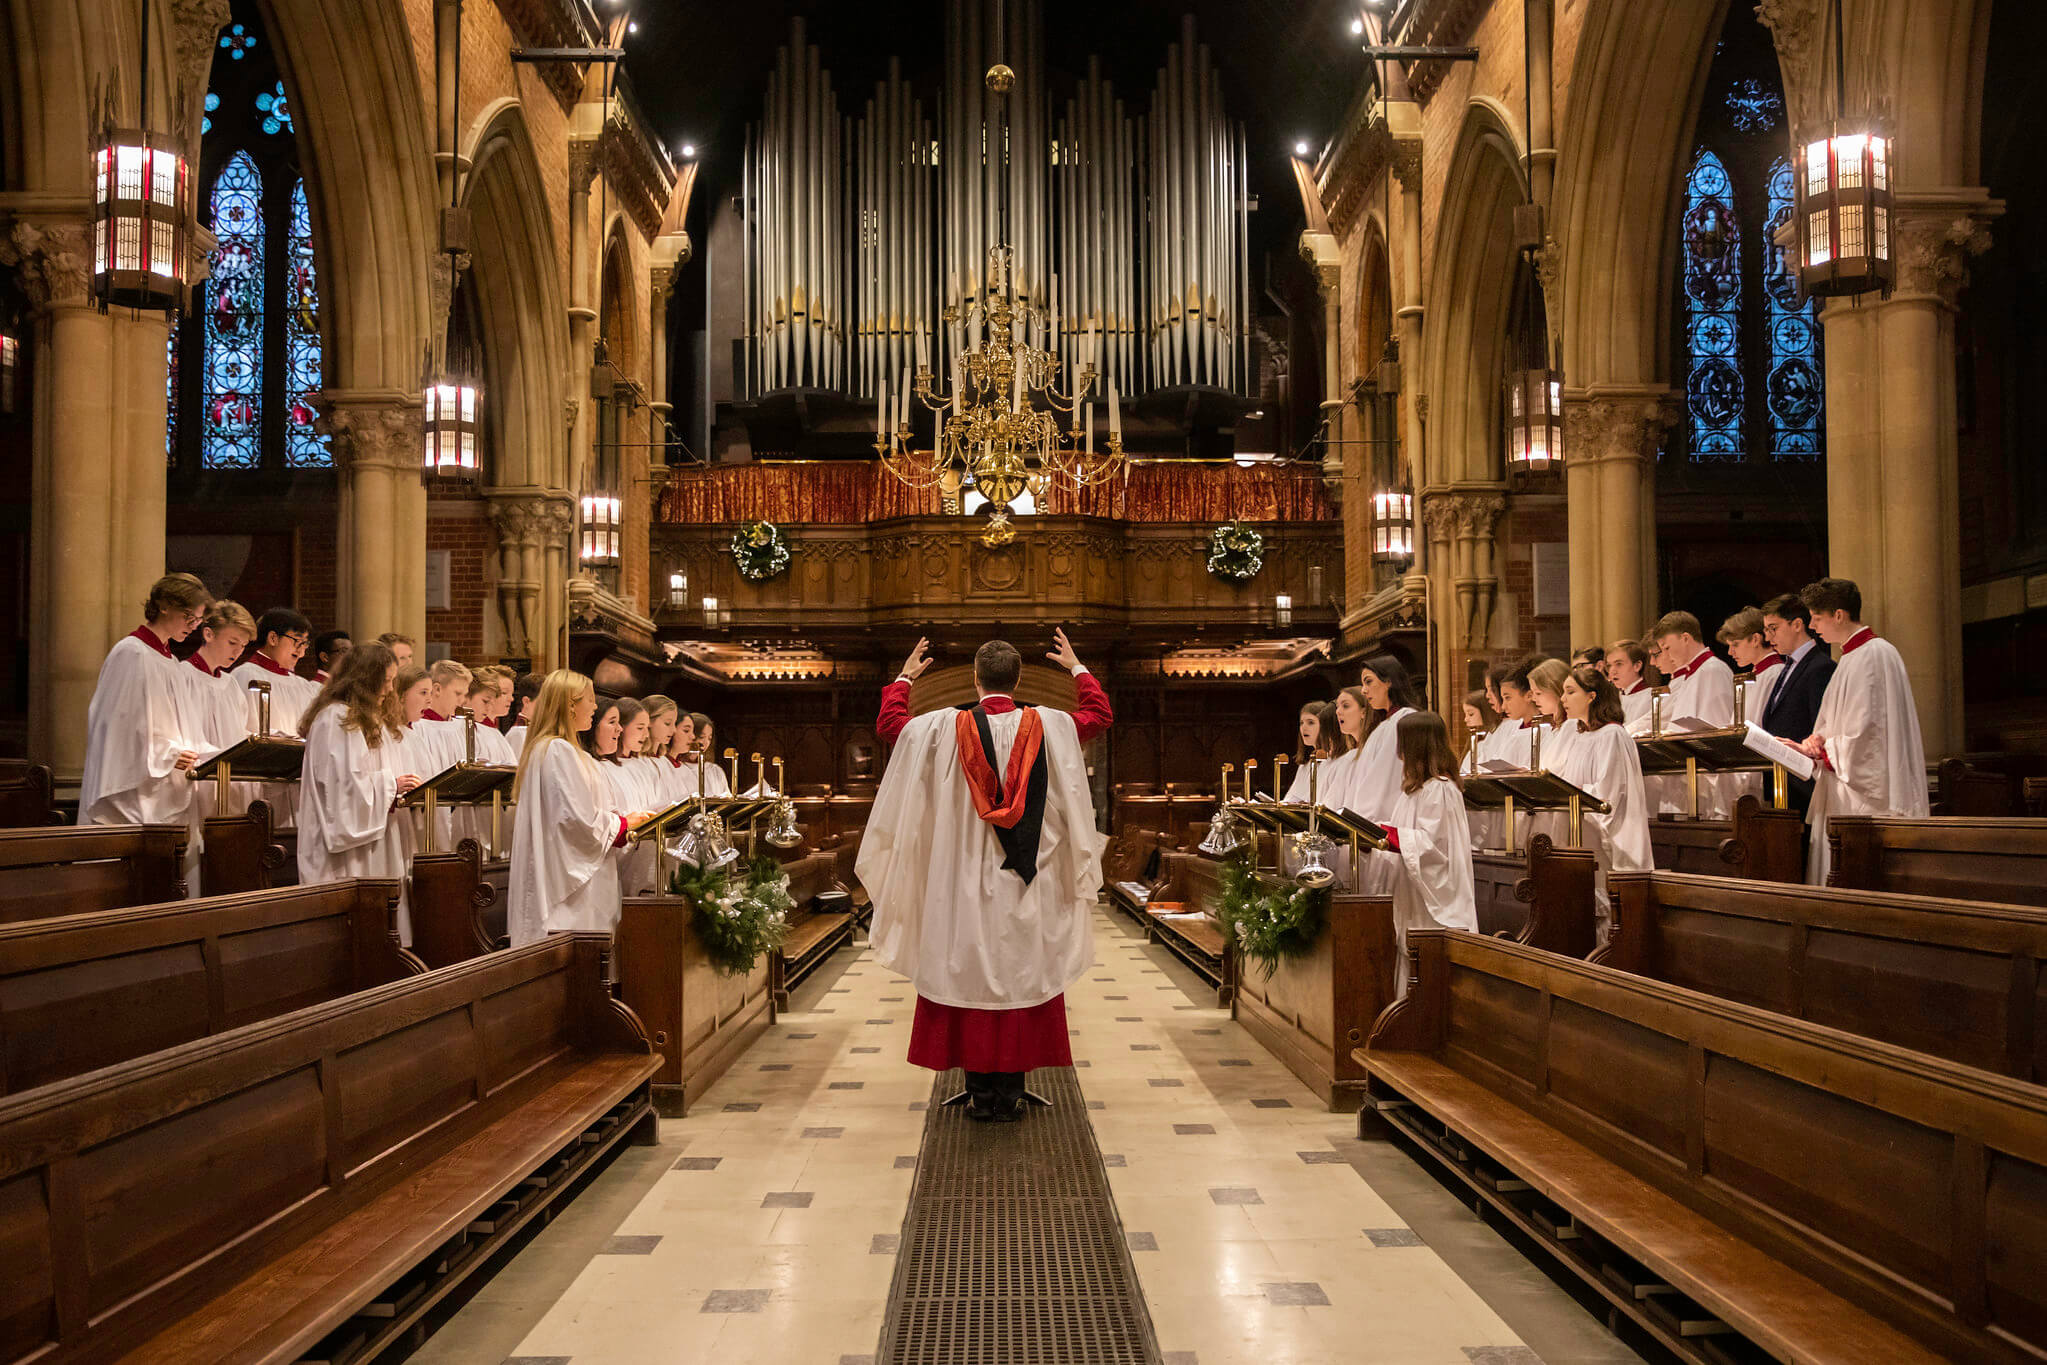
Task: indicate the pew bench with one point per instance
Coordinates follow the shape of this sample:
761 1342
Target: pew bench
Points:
27 795
1759 842
1181 915
1132 865
1731 1181
71 870
1968 858
1316 1010
308 1187
814 932
458 904
80 992
1954 979
1544 897
700 1019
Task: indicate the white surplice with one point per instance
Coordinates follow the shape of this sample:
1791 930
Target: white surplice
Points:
1606 764
1431 873
214 720
966 931
1876 759
133 735
290 695
564 873
632 790
1635 707
515 740
346 824
1371 789
1705 694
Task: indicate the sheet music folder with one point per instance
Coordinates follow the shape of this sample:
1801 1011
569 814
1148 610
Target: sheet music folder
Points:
736 810
1295 819
1529 791
259 758
465 784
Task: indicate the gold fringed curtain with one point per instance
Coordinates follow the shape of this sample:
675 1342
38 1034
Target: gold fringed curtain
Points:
851 493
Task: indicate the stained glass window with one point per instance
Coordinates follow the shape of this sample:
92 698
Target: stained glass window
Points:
1714 390
237 41
232 402
275 109
304 448
170 393
1796 385
212 107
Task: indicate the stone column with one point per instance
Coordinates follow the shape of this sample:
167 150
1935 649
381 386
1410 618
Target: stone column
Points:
1892 499
381 529
533 528
1611 437
96 520
582 292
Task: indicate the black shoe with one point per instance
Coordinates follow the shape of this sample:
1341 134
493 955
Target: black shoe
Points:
983 1111
1008 1110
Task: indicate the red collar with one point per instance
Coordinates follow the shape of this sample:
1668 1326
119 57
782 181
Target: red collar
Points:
319 675
1857 641
428 713
674 761
1695 665
148 637
268 664
1641 685
200 664
996 704
1772 660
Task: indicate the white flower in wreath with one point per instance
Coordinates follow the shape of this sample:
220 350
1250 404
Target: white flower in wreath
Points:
1236 551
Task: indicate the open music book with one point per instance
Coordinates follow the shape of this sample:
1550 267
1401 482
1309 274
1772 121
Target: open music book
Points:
1794 761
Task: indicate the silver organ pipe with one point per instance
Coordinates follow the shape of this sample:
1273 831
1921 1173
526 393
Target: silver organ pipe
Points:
1128 217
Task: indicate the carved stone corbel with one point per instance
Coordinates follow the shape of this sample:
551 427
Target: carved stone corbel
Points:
377 432
1934 250
53 262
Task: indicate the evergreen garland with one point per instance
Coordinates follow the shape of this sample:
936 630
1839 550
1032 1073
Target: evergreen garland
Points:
761 550
1236 551
740 921
1267 920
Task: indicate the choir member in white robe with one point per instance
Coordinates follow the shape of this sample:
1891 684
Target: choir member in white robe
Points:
136 753
402 647
1763 668
1873 761
282 636
1375 780
1604 761
1318 736
663 777
628 781
568 830
1429 840
983 863
213 719
1627 667
1701 689
704 746
1551 741
1334 778
1481 718
355 770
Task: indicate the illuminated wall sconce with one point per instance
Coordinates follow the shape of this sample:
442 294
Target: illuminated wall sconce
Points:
1283 608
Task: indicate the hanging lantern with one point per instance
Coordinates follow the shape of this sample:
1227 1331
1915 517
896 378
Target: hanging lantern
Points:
600 531
10 366
1392 527
139 232
1535 421
1843 211
451 430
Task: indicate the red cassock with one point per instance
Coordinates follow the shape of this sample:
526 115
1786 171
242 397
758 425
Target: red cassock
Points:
947 1036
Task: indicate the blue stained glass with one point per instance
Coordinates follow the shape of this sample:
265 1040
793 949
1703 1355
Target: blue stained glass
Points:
1715 391
212 107
304 448
170 394
237 41
1753 107
1797 384
232 401
275 109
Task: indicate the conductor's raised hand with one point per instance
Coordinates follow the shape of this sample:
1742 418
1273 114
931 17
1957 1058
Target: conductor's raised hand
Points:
1063 655
919 660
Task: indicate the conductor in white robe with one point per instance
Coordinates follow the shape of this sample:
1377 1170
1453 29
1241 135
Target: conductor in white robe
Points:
1866 739
136 754
983 862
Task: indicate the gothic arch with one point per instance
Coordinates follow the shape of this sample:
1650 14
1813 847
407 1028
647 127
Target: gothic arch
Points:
1470 290
515 276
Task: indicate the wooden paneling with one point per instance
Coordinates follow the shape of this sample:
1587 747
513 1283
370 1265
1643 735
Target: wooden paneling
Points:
44 873
1963 858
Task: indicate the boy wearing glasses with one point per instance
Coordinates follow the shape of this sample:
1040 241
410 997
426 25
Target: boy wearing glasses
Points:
281 640
136 749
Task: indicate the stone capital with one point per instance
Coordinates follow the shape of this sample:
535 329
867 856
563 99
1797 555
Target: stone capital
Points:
53 261
1626 427
583 158
1933 247
1406 163
531 517
380 431
196 25
1796 27
1463 514
1324 255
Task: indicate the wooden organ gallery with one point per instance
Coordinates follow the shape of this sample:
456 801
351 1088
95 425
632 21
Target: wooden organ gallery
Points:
1188 682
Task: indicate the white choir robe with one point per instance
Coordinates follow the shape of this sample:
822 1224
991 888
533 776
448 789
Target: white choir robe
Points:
214 720
346 825
716 782
515 740
564 874
1330 787
1431 873
1705 694
1557 743
1371 789
632 792
1484 824
1635 707
1876 760
1755 695
133 737
1606 763
965 930
290 695
663 779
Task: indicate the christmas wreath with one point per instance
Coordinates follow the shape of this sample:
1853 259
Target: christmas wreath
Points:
761 550
1236 551
1267 920
739 920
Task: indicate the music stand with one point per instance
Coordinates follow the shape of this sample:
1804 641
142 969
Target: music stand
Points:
259 758
1532 791
465 784
1688 753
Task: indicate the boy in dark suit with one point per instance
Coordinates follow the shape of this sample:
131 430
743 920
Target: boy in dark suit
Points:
1809 665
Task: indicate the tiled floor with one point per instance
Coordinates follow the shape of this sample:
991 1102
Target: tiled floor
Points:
764 1227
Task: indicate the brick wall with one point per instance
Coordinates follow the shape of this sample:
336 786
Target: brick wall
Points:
317 589
459 525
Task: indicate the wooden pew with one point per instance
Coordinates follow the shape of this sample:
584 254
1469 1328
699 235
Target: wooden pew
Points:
1192 883
458 910
1132 866
46 872
307 1188
1315 1011
699 1019
1718 1173
1961 858
1543 897
1988 784
1953 979
814 933
80 992
1759 843
27 795
241 852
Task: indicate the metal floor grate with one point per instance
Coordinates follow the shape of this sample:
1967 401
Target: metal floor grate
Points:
1012 1253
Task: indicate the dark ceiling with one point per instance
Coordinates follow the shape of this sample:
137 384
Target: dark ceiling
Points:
1288 67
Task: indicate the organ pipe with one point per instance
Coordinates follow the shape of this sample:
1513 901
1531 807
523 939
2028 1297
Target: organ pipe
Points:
1128 218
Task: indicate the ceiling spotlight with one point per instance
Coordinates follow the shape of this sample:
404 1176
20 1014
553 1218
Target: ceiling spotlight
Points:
689 151
632 26
1301 147
1357 27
